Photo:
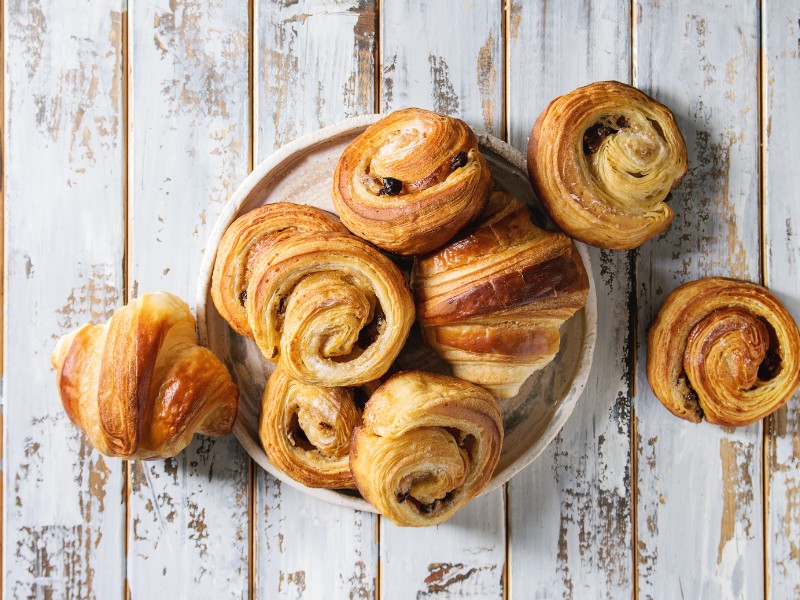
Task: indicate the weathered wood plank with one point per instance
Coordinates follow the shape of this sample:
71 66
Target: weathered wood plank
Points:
699 507
781 88
446 56
314 67
64 172
570 512
189 148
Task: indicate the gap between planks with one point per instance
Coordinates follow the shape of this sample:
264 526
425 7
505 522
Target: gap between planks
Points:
3 273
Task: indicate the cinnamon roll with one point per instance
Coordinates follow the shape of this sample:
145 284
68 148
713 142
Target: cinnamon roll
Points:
329 309
724 350
411 181
603 160
139 385
429 443
244 244
491 302
305 430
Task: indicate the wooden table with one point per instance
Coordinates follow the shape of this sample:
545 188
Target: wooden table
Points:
127 125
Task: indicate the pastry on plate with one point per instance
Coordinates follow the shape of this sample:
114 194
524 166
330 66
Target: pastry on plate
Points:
329 308
411 181
603 160
491 303
724 350
244 244
139 385
428 444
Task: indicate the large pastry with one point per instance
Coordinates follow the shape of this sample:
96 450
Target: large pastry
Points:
724 350
429 443
244 244
305 430
139 385
411 181
491 303
603 160
329 309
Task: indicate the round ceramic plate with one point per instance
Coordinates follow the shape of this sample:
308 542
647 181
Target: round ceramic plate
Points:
302 172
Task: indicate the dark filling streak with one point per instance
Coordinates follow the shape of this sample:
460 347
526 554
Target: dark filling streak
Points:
391 187
326 426
459 160
658 128
771 366
243 297
594 136
401 496
282 306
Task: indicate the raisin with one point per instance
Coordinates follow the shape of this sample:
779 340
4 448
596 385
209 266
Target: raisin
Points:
243 297
594 136
401 496
391 187
459 160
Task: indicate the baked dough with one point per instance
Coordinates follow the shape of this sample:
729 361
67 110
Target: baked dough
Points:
429 443
139 385
411 181
603 160
491 302
724 350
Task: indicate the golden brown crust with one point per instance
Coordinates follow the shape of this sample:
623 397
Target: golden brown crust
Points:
602 160
429 444
139 385
723 349
329 309
305 430
491 302
246 241
445 181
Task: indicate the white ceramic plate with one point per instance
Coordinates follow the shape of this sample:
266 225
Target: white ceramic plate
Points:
302 172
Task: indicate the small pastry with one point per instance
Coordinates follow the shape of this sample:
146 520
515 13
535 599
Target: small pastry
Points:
305 430
139 385
724 350
429 444
411 181
243 245
603 160
329 309
491 302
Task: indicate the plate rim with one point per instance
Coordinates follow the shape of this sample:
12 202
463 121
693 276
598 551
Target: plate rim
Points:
226 217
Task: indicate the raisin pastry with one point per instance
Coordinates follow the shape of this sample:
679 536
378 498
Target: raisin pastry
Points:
491 303
139 385
329 309
724 350
411 181
429 444
603 160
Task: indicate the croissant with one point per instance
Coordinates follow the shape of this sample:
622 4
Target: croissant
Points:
306 429
411 181
245 242
329 309
491 302
723 349
602 160
428 444
139 385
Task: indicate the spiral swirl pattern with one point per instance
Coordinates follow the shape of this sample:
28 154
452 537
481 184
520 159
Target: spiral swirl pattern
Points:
329 309
306 429
429 443
725 350
246 240
411 181
603 160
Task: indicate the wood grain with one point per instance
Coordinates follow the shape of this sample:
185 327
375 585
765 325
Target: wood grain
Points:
314 66
569 518
64 171
781 88
699 510
446 56
189 148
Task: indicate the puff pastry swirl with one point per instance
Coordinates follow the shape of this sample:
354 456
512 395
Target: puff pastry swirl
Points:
305 430
491 303
246 241
139 385
603 159
329 309
724 350
429 443
411 181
